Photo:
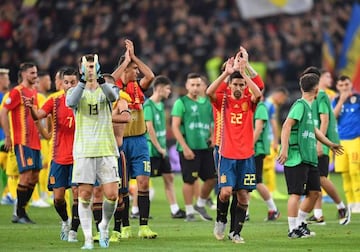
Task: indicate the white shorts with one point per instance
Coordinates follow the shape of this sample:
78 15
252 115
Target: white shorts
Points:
102 169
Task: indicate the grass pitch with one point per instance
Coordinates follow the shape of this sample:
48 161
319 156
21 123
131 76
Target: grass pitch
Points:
177 235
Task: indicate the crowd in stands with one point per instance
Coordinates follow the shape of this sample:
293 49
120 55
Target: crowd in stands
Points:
172 37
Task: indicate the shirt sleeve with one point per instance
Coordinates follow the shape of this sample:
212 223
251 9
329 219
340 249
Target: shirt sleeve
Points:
296 112
178 109
148 114
13 100
261 113
323 108
48 105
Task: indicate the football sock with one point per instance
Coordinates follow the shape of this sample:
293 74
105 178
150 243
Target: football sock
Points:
60 206
144 207
97 212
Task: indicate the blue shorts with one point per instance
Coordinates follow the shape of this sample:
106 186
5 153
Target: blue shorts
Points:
27 158
237 173
60 176
137 156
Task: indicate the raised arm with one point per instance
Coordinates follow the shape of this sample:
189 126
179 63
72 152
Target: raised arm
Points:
211 90
144 69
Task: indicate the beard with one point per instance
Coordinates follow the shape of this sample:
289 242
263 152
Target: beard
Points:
237 94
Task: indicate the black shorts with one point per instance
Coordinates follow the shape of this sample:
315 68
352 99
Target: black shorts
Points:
259 163
201 166
159 166
323 165
302 178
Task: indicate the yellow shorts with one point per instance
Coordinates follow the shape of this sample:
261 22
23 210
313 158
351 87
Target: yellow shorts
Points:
11 166
351 155
45 149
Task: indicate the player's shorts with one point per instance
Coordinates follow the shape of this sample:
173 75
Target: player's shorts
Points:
137 156
11 166
237 173
60 176
88 170
351 155
302 178
259 163
123 172
160 166
323 165
201 166
27 158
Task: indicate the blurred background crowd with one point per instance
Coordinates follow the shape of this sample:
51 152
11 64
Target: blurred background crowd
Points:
172 37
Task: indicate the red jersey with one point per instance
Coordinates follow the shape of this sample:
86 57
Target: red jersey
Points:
63 122
216 113
24 128
135 92
237 137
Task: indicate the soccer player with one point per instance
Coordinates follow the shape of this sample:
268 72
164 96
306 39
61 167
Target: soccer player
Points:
347 111
60 174
134 142
155 119
191 124
236 171
39 196
299 156
26 141
95 150
262 148
6 199
325 121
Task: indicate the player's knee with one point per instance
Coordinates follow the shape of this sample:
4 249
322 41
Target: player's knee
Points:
225 194
142 183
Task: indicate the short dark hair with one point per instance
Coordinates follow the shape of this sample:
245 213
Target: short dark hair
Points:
309 81
311 69
23 67
109 76
235 75
69 71
193 76
161 80
343 78
88 57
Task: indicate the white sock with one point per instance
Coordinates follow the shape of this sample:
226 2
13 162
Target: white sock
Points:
174 208
271 204
189 209
85 216
341 205
318 213
108 209
134 209
201 202
292 223
301 217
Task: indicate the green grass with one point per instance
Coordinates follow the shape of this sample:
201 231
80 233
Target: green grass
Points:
176 235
